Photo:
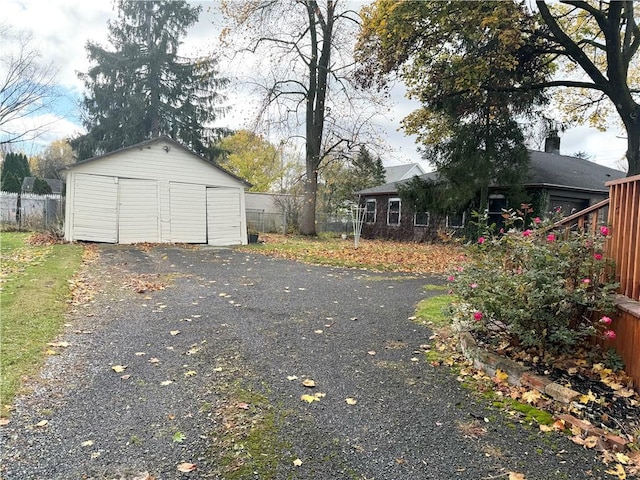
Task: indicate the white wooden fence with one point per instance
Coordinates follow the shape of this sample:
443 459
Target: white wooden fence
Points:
31 211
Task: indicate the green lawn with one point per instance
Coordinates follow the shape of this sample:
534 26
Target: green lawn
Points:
34 289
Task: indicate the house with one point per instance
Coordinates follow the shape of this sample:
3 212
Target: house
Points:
555 181
154 191
405 171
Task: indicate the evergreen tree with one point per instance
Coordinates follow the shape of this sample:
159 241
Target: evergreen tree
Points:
142 88
41 187
14 168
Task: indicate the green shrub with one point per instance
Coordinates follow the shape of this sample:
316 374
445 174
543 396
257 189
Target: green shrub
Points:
535 288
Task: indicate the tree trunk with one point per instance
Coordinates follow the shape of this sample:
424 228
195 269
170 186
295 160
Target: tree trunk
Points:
633 142
308 223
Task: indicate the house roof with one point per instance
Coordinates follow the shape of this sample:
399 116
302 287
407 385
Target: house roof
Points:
548 169
150 142
400 172
391 188
545 170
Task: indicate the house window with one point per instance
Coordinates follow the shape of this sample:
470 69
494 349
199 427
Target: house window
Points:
421 219
393 212
370 211
455 220
496 207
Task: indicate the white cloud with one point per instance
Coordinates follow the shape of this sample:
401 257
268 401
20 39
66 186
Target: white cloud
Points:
61 29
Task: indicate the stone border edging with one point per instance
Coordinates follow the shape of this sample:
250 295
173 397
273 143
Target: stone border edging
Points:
518 375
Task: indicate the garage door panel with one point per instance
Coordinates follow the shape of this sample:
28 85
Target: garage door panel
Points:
188 203
224 216
138 212
95 208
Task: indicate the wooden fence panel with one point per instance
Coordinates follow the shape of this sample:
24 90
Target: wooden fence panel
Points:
624 244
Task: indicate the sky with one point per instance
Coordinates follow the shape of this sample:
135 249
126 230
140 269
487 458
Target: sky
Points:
61 29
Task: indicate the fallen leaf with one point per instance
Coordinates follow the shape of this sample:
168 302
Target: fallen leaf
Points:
125 377
371 352
217 369
532 396
187 467
309 383
59 344
292 378
190 373
297 462
139 354
589 397
242 405
308 398
501 377
119 368
591 441
51 352
318 331
545 428
577 439
88 443
166 382
154 360
4 421
42 423
622 458
174 332
559 425
624 392
516 476
351 401
619 471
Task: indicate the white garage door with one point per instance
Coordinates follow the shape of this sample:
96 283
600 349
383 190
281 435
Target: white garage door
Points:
95 208
188 213
223 216
138 211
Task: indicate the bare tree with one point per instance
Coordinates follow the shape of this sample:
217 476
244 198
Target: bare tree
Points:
306 86
27 87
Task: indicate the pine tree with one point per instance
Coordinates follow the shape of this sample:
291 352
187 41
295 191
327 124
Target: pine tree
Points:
142 88
14 168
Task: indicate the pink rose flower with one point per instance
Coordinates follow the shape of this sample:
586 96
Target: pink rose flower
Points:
606 320
526 233
597 256
551 237
586 281
450 278
537 220
481 240
474 285
478 316
604 230
609 334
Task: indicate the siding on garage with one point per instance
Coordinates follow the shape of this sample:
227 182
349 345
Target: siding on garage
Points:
138 211
93 209
224 217
180 177
188 213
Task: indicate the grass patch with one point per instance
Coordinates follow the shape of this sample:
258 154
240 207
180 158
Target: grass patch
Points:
529 413
33 298
431 311
247 444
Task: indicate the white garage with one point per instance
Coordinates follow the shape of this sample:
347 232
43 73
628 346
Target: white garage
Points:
156 191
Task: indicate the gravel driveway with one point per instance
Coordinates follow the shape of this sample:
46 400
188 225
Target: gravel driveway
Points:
231 320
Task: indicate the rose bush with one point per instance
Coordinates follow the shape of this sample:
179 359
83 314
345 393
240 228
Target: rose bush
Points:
535 288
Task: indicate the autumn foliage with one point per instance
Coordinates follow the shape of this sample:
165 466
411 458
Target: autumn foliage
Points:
380 255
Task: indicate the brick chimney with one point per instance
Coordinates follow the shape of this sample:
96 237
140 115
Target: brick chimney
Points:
552 143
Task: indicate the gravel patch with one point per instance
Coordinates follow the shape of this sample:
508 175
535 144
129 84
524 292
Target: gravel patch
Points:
230 316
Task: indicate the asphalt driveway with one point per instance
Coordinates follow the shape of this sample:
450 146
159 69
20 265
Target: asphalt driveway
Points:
230 319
